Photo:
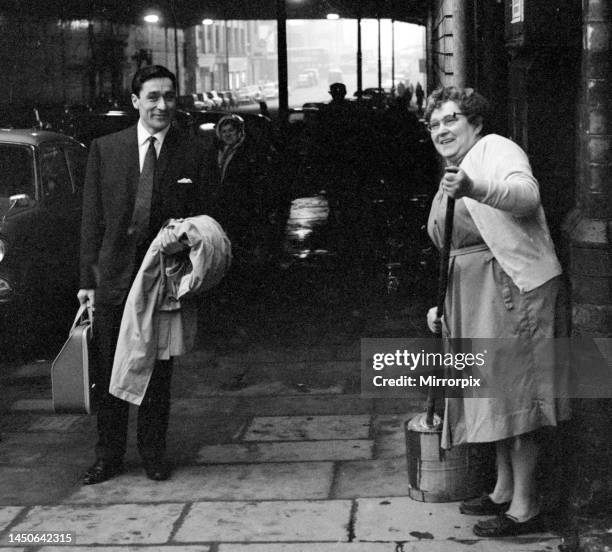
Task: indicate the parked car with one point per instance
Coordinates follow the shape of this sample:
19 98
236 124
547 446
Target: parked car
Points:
86 126
203 102
41 179
212 95
335 75
305 80
250 94
228 99
270 90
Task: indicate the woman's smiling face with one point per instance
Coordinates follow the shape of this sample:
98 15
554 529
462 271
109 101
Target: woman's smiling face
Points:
229 134
451 132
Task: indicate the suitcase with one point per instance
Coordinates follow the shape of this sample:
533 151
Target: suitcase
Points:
71 376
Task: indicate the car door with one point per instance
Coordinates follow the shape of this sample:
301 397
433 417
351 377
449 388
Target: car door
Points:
60 200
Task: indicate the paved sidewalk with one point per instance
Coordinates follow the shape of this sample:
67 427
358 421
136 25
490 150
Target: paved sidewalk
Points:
273 447
275 451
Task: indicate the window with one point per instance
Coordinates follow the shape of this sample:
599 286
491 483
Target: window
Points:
517 11
16 170
77 161
56 182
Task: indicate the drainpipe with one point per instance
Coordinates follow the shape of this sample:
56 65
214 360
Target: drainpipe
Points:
461 25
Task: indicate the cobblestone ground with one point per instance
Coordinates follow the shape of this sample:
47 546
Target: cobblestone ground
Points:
273 447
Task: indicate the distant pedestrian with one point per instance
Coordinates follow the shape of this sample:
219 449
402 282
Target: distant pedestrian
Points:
409 93
401 89
420 94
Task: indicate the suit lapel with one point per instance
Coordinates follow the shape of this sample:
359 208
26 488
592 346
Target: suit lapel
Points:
132 169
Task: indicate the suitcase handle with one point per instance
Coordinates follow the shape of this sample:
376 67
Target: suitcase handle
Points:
84 314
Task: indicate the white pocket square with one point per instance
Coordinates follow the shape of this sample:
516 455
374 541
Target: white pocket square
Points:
184 181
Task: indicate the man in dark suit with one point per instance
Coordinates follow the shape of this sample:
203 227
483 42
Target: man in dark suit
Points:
136 179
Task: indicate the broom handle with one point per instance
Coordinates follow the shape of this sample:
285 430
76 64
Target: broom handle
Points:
442 283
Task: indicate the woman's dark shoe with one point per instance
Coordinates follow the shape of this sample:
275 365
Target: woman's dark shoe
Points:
508 526
483 506
101 471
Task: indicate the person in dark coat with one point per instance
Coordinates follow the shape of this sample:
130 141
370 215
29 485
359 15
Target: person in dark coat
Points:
242 196
420 95
136 180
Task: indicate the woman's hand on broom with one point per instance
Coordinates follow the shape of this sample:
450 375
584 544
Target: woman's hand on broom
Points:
434 322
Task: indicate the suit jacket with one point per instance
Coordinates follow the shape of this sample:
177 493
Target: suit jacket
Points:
109 256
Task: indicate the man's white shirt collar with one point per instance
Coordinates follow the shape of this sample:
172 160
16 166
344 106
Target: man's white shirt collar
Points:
143 135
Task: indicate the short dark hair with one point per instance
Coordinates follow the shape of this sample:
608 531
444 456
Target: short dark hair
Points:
151 72
472 104
337 89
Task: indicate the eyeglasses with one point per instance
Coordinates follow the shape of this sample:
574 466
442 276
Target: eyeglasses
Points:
449 121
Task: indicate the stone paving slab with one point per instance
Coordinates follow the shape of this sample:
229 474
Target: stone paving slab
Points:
389 434
266 521
192 381
164 548
11 422
114 524
37 484
419 546
58 422
303 428
36 369
310 547
311 480
24 449
187 406
404 519
188 433
291 378
387 477
304 405
304 451
44 405
7 515
281 355
411 403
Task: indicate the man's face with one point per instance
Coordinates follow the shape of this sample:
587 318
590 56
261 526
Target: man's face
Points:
156 104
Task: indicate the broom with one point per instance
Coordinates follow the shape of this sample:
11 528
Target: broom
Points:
442 283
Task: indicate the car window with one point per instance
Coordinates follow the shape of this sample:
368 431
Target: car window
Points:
77 161
16 170
54 171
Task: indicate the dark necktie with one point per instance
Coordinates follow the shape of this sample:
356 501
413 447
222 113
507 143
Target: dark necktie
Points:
142 205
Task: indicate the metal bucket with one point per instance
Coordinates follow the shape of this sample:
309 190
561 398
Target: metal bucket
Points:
437 475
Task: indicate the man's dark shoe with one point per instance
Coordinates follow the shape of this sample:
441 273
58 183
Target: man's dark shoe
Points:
483 506
508 526
157 471
101 471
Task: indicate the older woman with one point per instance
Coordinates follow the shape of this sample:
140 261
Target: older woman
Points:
504 284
